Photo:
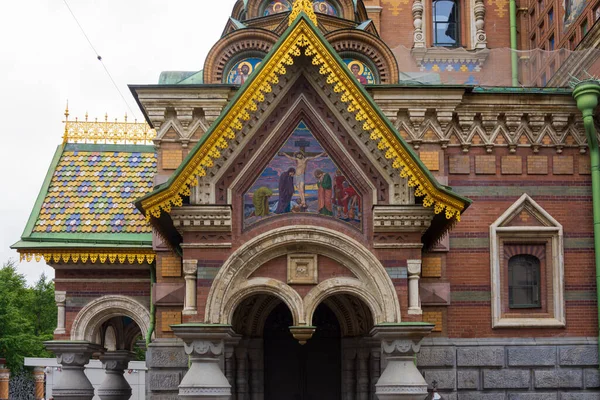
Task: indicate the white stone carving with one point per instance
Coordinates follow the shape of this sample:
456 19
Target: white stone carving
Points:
231 285
419 36
414 274
91 317
302 269
480 36
190 269
402 218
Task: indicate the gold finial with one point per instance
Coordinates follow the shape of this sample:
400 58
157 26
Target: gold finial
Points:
67 111
66 134
305 6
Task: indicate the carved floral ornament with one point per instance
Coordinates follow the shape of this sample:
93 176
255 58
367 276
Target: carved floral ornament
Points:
301 40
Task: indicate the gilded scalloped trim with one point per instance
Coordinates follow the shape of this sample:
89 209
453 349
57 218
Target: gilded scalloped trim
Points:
303 38
93 256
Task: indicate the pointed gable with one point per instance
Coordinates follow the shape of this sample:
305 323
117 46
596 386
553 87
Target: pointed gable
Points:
302 38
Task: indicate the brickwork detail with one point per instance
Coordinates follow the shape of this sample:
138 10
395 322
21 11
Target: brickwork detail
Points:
434 317
537 165
171 159
584 165
562 165
431 159
169 318
432 267
170 266
485 165
459 165
512 165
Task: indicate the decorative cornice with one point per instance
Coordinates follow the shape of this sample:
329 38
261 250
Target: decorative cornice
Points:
401 219
92 255
302 39
204 218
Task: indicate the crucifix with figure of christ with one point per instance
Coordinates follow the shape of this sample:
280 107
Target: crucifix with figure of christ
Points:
301 159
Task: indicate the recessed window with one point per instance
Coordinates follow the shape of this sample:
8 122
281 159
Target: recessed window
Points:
446 23
550 16
572 43
524 281
540 5
541 26
551 43
584 28
533 42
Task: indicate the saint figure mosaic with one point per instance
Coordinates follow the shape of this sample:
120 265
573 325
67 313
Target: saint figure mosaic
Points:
302 178
361 71
280 6
242 70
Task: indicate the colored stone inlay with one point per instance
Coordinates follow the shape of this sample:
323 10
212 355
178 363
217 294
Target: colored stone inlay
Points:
93 192
434 317
432 267
170 266
169 318
431 159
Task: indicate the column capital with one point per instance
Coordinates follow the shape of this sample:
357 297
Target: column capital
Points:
73 353
414 267
60 296
190 267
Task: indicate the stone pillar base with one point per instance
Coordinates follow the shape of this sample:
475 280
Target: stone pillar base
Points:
73 356
205 344
401 380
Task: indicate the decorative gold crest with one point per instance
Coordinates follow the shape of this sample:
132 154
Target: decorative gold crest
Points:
395 6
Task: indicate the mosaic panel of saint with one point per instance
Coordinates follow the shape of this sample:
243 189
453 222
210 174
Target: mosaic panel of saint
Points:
361 71
302 178
242 70
280 6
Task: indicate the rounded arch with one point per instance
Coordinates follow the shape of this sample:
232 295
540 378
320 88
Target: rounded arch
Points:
342 285
239 8
233 45
372 283
91 317
369 46
271 287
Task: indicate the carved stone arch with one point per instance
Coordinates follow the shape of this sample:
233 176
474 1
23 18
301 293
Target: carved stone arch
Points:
238 10
231 285
342 285
234 44
265 286
371 47
346 8
90 318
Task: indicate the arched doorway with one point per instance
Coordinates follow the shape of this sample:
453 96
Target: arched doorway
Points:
268 362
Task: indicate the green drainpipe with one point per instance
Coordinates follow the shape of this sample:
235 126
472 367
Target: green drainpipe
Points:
586 94
514 62
152 310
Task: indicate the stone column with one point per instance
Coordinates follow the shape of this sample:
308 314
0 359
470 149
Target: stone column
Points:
401 380
349 374
205 344
255 354
241 381
480 36
375 369
417 12
414 274
73 356
190 269
60 298
39 377
4 379
115 386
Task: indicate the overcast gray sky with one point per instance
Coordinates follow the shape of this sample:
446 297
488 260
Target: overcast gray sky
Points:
45 60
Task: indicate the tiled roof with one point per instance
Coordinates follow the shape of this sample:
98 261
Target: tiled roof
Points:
92 190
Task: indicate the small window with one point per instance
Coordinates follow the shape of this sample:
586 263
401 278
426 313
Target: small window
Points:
533 42
551 43
524 282
544 81
572 43
550 16
541 26
584 28
552 68
540 5
446 23
597 13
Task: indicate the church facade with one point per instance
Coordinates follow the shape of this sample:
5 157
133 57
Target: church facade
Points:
334 209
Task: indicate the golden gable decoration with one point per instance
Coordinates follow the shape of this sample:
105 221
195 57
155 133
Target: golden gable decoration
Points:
305 6
302 39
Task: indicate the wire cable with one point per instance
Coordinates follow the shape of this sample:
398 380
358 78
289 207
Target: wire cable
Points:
99 57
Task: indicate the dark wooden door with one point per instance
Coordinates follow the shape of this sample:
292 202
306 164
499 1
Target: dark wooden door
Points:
309 372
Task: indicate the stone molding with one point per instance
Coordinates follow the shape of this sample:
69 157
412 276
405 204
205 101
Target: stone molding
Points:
90 318
552 231
202 218
402 218
231 285
61 298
